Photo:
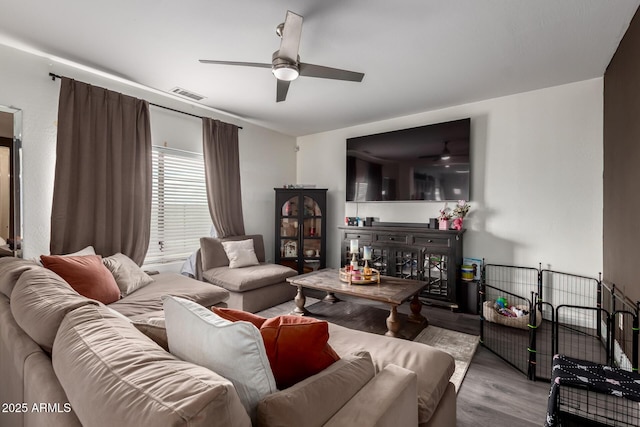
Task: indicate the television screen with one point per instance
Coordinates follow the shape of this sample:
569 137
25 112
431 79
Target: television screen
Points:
423 163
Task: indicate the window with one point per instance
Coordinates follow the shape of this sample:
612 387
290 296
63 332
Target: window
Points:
179 209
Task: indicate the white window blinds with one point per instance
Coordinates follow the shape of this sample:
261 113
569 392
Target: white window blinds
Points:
179 210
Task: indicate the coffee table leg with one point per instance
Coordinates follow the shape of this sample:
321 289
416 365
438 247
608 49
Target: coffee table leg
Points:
331 298
300 302
416 306
393 325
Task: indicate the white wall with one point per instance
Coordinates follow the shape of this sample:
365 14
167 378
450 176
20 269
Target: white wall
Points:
537 164
267 157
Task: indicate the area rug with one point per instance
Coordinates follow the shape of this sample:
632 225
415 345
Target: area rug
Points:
461 346
284 308
351 315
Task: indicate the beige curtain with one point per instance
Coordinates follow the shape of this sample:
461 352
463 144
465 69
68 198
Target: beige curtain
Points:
102 187
222 174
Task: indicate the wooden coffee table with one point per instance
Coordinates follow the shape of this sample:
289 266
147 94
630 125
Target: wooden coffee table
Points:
391 290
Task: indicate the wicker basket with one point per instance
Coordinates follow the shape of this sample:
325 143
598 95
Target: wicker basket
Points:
490 314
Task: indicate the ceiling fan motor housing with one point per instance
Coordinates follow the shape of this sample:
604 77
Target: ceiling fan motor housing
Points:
283 68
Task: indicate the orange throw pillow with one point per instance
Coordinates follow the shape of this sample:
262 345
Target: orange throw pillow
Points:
297 347
233 315
86 274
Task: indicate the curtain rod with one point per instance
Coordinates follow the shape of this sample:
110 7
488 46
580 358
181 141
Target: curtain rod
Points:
55 76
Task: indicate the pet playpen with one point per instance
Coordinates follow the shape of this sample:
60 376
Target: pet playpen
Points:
576 316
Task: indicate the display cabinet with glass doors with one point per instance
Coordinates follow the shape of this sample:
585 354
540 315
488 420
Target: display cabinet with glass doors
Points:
300 228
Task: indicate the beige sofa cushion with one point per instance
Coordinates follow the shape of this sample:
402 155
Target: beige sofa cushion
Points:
149 298
213 254
39 302
433 367
114 376
318 397
248 278
10 270
388 400
26 376
41 386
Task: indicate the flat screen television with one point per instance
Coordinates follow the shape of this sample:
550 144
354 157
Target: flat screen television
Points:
429 162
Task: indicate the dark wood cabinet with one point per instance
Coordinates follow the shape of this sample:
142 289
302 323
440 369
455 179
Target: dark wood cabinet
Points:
412 251
301 228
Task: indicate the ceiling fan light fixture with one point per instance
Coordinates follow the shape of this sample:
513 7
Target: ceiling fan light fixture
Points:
446 155
285 72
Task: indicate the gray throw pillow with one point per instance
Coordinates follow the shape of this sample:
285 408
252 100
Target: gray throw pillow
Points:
129 276
155 329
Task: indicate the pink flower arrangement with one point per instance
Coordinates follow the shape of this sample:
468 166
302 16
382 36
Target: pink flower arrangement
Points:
461 210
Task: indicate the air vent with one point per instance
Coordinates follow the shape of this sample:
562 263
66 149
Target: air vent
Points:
187 94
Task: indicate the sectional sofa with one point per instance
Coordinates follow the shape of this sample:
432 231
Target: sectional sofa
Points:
66 360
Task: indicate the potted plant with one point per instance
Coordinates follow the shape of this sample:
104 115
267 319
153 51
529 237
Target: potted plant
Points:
459 212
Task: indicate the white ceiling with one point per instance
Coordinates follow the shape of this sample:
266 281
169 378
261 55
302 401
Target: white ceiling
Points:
417 55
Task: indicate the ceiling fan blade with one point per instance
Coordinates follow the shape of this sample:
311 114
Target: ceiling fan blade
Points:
310 70
291 34
281 90
245 64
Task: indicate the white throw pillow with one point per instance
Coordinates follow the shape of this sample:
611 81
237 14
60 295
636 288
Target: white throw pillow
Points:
240 253
234 350
89 250
128 275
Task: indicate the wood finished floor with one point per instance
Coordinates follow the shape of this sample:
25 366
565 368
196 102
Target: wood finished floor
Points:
493 394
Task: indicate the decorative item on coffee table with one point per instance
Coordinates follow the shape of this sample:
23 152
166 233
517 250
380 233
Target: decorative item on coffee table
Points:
352 273
366 256
355 250
357 277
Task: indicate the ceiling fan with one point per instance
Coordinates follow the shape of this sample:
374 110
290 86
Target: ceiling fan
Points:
285 64
444 155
